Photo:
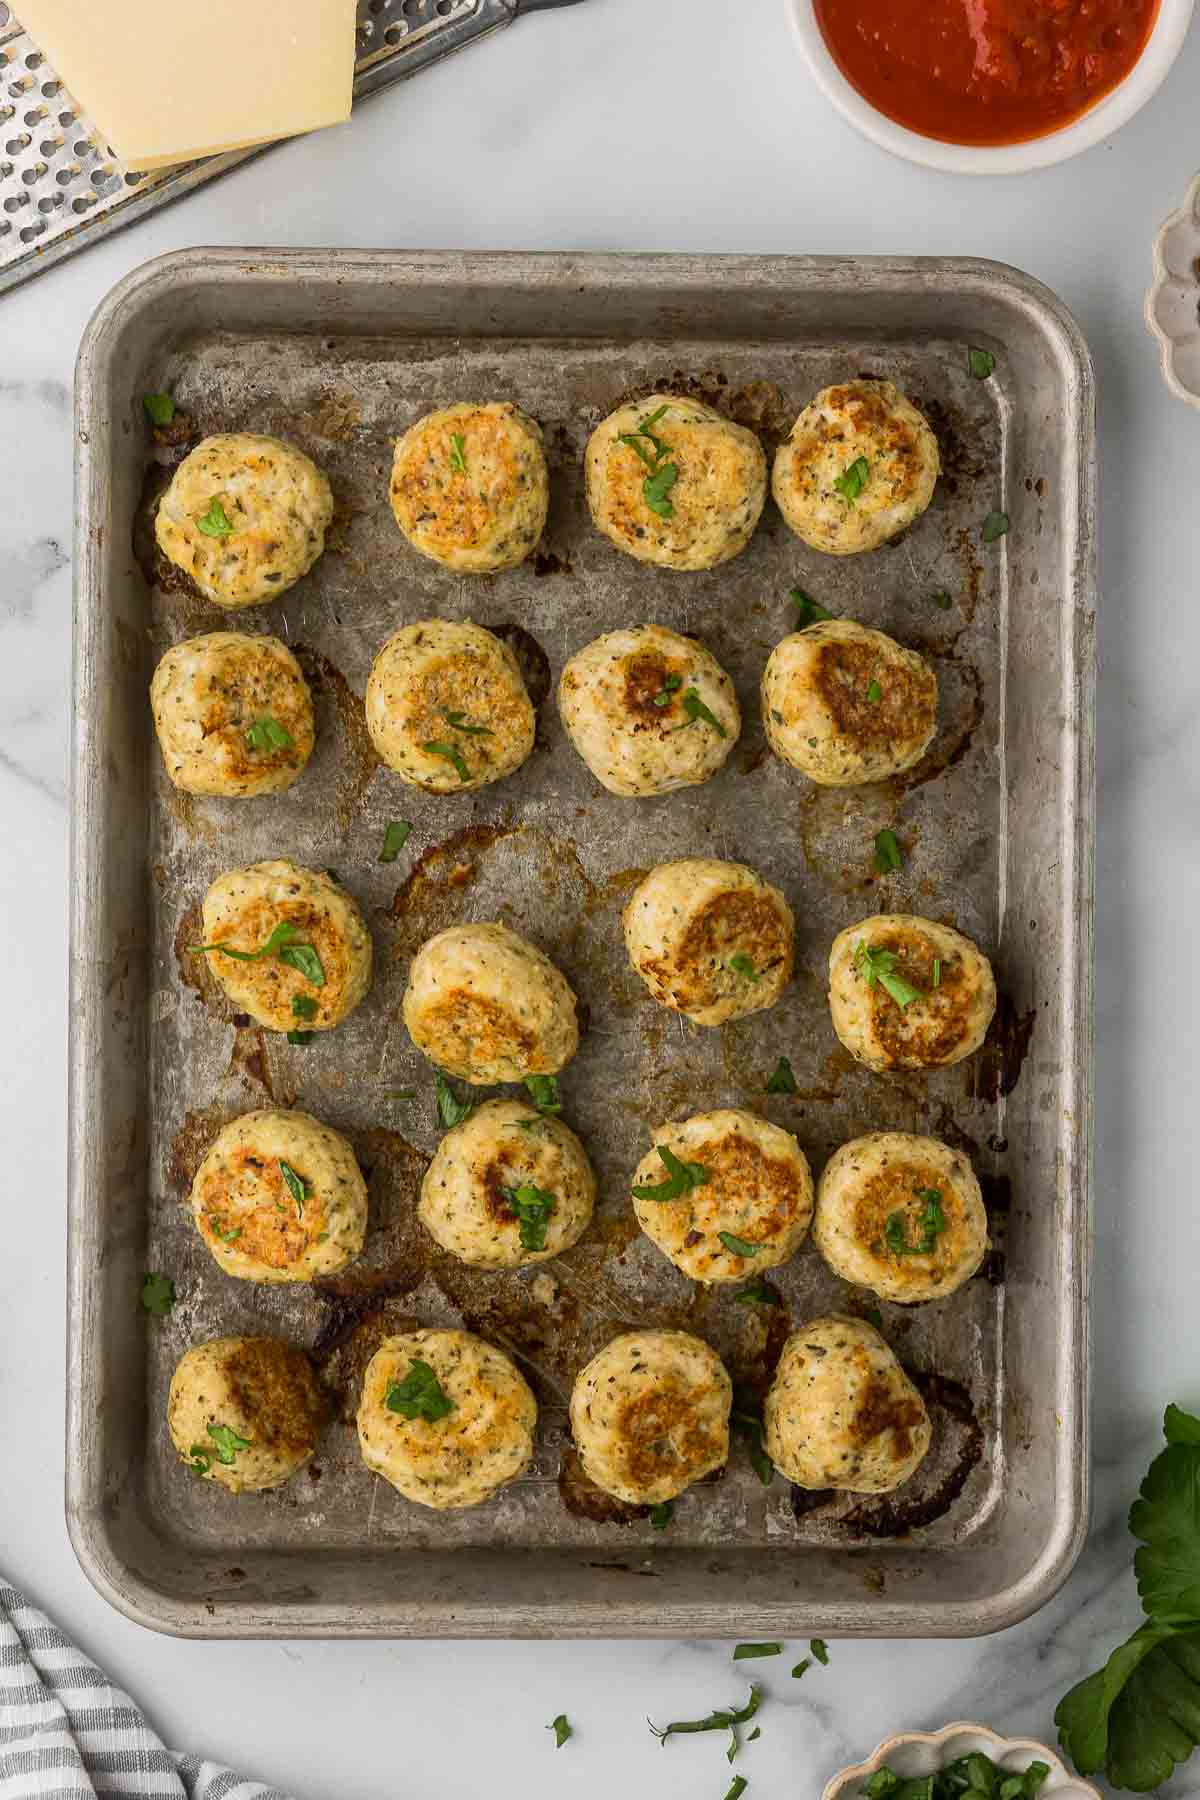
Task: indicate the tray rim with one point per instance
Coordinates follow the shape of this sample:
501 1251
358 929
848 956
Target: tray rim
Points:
131 1593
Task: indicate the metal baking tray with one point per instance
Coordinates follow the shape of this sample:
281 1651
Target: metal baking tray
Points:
339 351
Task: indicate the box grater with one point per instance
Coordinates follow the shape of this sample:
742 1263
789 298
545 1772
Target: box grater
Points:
62 188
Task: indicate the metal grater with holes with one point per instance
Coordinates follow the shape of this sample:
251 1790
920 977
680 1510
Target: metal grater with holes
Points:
61 187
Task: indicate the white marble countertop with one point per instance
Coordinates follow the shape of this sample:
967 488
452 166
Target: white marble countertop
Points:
645 124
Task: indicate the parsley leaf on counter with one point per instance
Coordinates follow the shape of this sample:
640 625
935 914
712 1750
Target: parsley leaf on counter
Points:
543 1091
808 612
420 1395
820 1650
851 484
782 1079
158 1294
682 1178
745 1652
395 836
451 1110
723 1719
160 408
802 1668
737 1788
561 1728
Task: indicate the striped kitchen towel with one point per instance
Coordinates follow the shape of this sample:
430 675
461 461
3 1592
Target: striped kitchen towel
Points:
66 1733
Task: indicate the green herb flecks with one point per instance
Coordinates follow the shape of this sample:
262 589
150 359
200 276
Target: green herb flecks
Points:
301 1037
747 1652
663 474
974 1777
820 1650
284 942
723 1719
660 1516
851 484
160 408
741 964
458 452
671 685
931 1225
267 734
888 856
451 1110
980 363
532 1207
877 965
738 1246
561 1728
808 611
303 1006
543 1091
227 1235
199 1459
802 1668
936 979
696 710
297 1187
758 1293
874 693
158 1294
460 722
745 1421
995 526
227 1443
682 1177
738 1785
942 600
782 1079
215 523
395 835
419 1396
436 747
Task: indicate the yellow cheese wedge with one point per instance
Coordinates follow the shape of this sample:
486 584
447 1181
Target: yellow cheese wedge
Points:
167 80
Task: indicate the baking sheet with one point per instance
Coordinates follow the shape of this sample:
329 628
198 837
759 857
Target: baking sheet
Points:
554 856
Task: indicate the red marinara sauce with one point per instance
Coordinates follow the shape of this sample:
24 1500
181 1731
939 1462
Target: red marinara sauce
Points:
985 71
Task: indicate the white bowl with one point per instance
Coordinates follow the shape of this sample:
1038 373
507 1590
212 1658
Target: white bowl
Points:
924 1752
1107 116
1173 301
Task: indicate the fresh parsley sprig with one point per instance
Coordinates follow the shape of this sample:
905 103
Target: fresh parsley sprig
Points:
284 942
458 452
879 965
395 835
160 408
932 1224
296 1186
419 1396
782 1079
682 1177
745 1421
533 1207
663 473
543 1091
562 1729
451 1110
808 611
853 480
671 685
459 721
696 710
226 1444
267 734
215 523
452 755
158 1294
738 1246
721 1719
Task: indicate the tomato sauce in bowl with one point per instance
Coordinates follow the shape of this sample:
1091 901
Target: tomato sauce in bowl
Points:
985 71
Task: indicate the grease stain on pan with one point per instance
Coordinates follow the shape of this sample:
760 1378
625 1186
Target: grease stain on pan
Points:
358 763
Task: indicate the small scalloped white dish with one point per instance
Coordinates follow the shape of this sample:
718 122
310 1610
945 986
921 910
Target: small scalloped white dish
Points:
1173 299
917 1753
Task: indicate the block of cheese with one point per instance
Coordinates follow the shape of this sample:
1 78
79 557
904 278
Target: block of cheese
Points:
167 80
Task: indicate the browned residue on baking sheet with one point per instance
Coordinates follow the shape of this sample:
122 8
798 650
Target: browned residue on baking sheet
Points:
996 1070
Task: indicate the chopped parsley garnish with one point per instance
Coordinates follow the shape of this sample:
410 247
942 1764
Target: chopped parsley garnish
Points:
160 408
561 1728
395 835
808 612
400 1093
976 1776
543 1091
874 693
745 1421
268 734
533 1207
660 1516
227 1443
285 943
746 1652
932 1224
460 722
995 526
738 1785
297 1187
802 1668
227 1237
663 474
419 1396
451 1110
888 857
937 972
303 1006
695 709
782 1079
877 965
980 363
682 1178
671 685
942 600
759 1293
458 447
723 1719
820 1650
437 748
741 964
738 1246
301 1037
215 522
199 1458
851 484
158 1294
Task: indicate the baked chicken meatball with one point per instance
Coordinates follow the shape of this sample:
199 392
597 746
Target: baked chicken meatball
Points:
648 710
447 707
445 1417
280 1197
245 516
508 1187
469 487
650 1415
908 993
902 1215
847 705
748 1200
672 482
485 1005
244 1411
710 939
233 714
860 465
288 945
841 1412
